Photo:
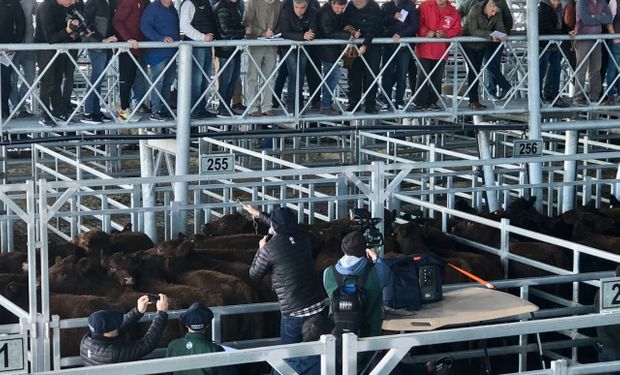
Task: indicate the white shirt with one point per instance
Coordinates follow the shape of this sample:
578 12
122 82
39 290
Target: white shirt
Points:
185 22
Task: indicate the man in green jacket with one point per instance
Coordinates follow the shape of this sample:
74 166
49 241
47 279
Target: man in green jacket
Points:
484 20
197 320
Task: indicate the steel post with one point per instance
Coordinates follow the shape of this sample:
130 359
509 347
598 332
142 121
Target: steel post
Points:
570 171
533 96
148 189
489 175
184 103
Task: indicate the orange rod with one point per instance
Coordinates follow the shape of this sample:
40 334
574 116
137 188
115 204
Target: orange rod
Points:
472 276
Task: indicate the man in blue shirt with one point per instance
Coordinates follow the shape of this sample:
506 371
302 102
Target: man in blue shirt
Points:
160 23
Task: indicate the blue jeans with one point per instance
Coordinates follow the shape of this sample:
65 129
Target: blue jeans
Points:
227 79
395 73
549 66
331 81
163 85
495 76
291 66
98 61
290 329
612 71
203 59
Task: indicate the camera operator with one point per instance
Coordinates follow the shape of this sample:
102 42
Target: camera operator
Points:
99 14
288 256
52 26
104 343
358 256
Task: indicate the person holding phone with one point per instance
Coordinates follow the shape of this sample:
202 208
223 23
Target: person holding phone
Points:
288 257
105 344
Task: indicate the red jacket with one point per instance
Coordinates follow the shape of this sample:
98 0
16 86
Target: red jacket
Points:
126 20
431 20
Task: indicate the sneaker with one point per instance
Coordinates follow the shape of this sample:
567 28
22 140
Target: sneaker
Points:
501 95
160 116
223 112
400 107
371 110
47 121
91 118
330 111
23 114
105 117
203 115
421 108
63 117
579 103
434 108
560 103
239 107
123 114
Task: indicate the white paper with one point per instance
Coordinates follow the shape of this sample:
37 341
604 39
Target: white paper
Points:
277 36
403 15
497 34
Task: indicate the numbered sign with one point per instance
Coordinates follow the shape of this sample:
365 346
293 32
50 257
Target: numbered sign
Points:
527 147
610 294
13 354
217 163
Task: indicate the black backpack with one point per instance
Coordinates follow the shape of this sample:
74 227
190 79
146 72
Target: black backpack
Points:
348 301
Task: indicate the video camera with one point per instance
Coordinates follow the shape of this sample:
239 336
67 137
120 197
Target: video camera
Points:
82 27
361 222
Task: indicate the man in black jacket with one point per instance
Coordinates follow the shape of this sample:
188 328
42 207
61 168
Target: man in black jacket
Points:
298 24
52 27
197 22
400 19
229 27
287 255
104 343
99 14
12 28
330 26
550 23
365 17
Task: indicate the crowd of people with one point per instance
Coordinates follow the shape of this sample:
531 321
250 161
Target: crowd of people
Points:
134 21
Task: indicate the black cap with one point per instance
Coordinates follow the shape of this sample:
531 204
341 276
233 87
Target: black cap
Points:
197 317
103 321
354 244
283 220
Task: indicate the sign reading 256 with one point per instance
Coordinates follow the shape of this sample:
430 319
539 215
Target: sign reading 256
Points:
610 294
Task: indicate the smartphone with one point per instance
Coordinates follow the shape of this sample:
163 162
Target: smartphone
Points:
153 297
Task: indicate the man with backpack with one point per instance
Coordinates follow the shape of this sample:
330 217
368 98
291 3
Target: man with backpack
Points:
354 287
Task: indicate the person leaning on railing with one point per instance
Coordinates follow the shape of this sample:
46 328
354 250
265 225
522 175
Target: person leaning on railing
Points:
12 27
483 19
26 60
550 23
438 19
99 14
364 16
127 25
330 26
160 23
591 16
53 27
614 56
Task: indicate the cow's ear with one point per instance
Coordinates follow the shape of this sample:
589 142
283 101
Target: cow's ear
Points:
83 266
103 259
184 249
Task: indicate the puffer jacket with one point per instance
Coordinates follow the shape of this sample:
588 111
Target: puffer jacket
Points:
99 350
229 25
288 257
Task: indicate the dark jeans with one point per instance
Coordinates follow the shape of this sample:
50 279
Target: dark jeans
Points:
413 72
127 77
294 88
312 77
361 78
495 77
549 65
280 80
67 84
5 89
98 62
475 57
427 96
50 92
395 73
227 80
